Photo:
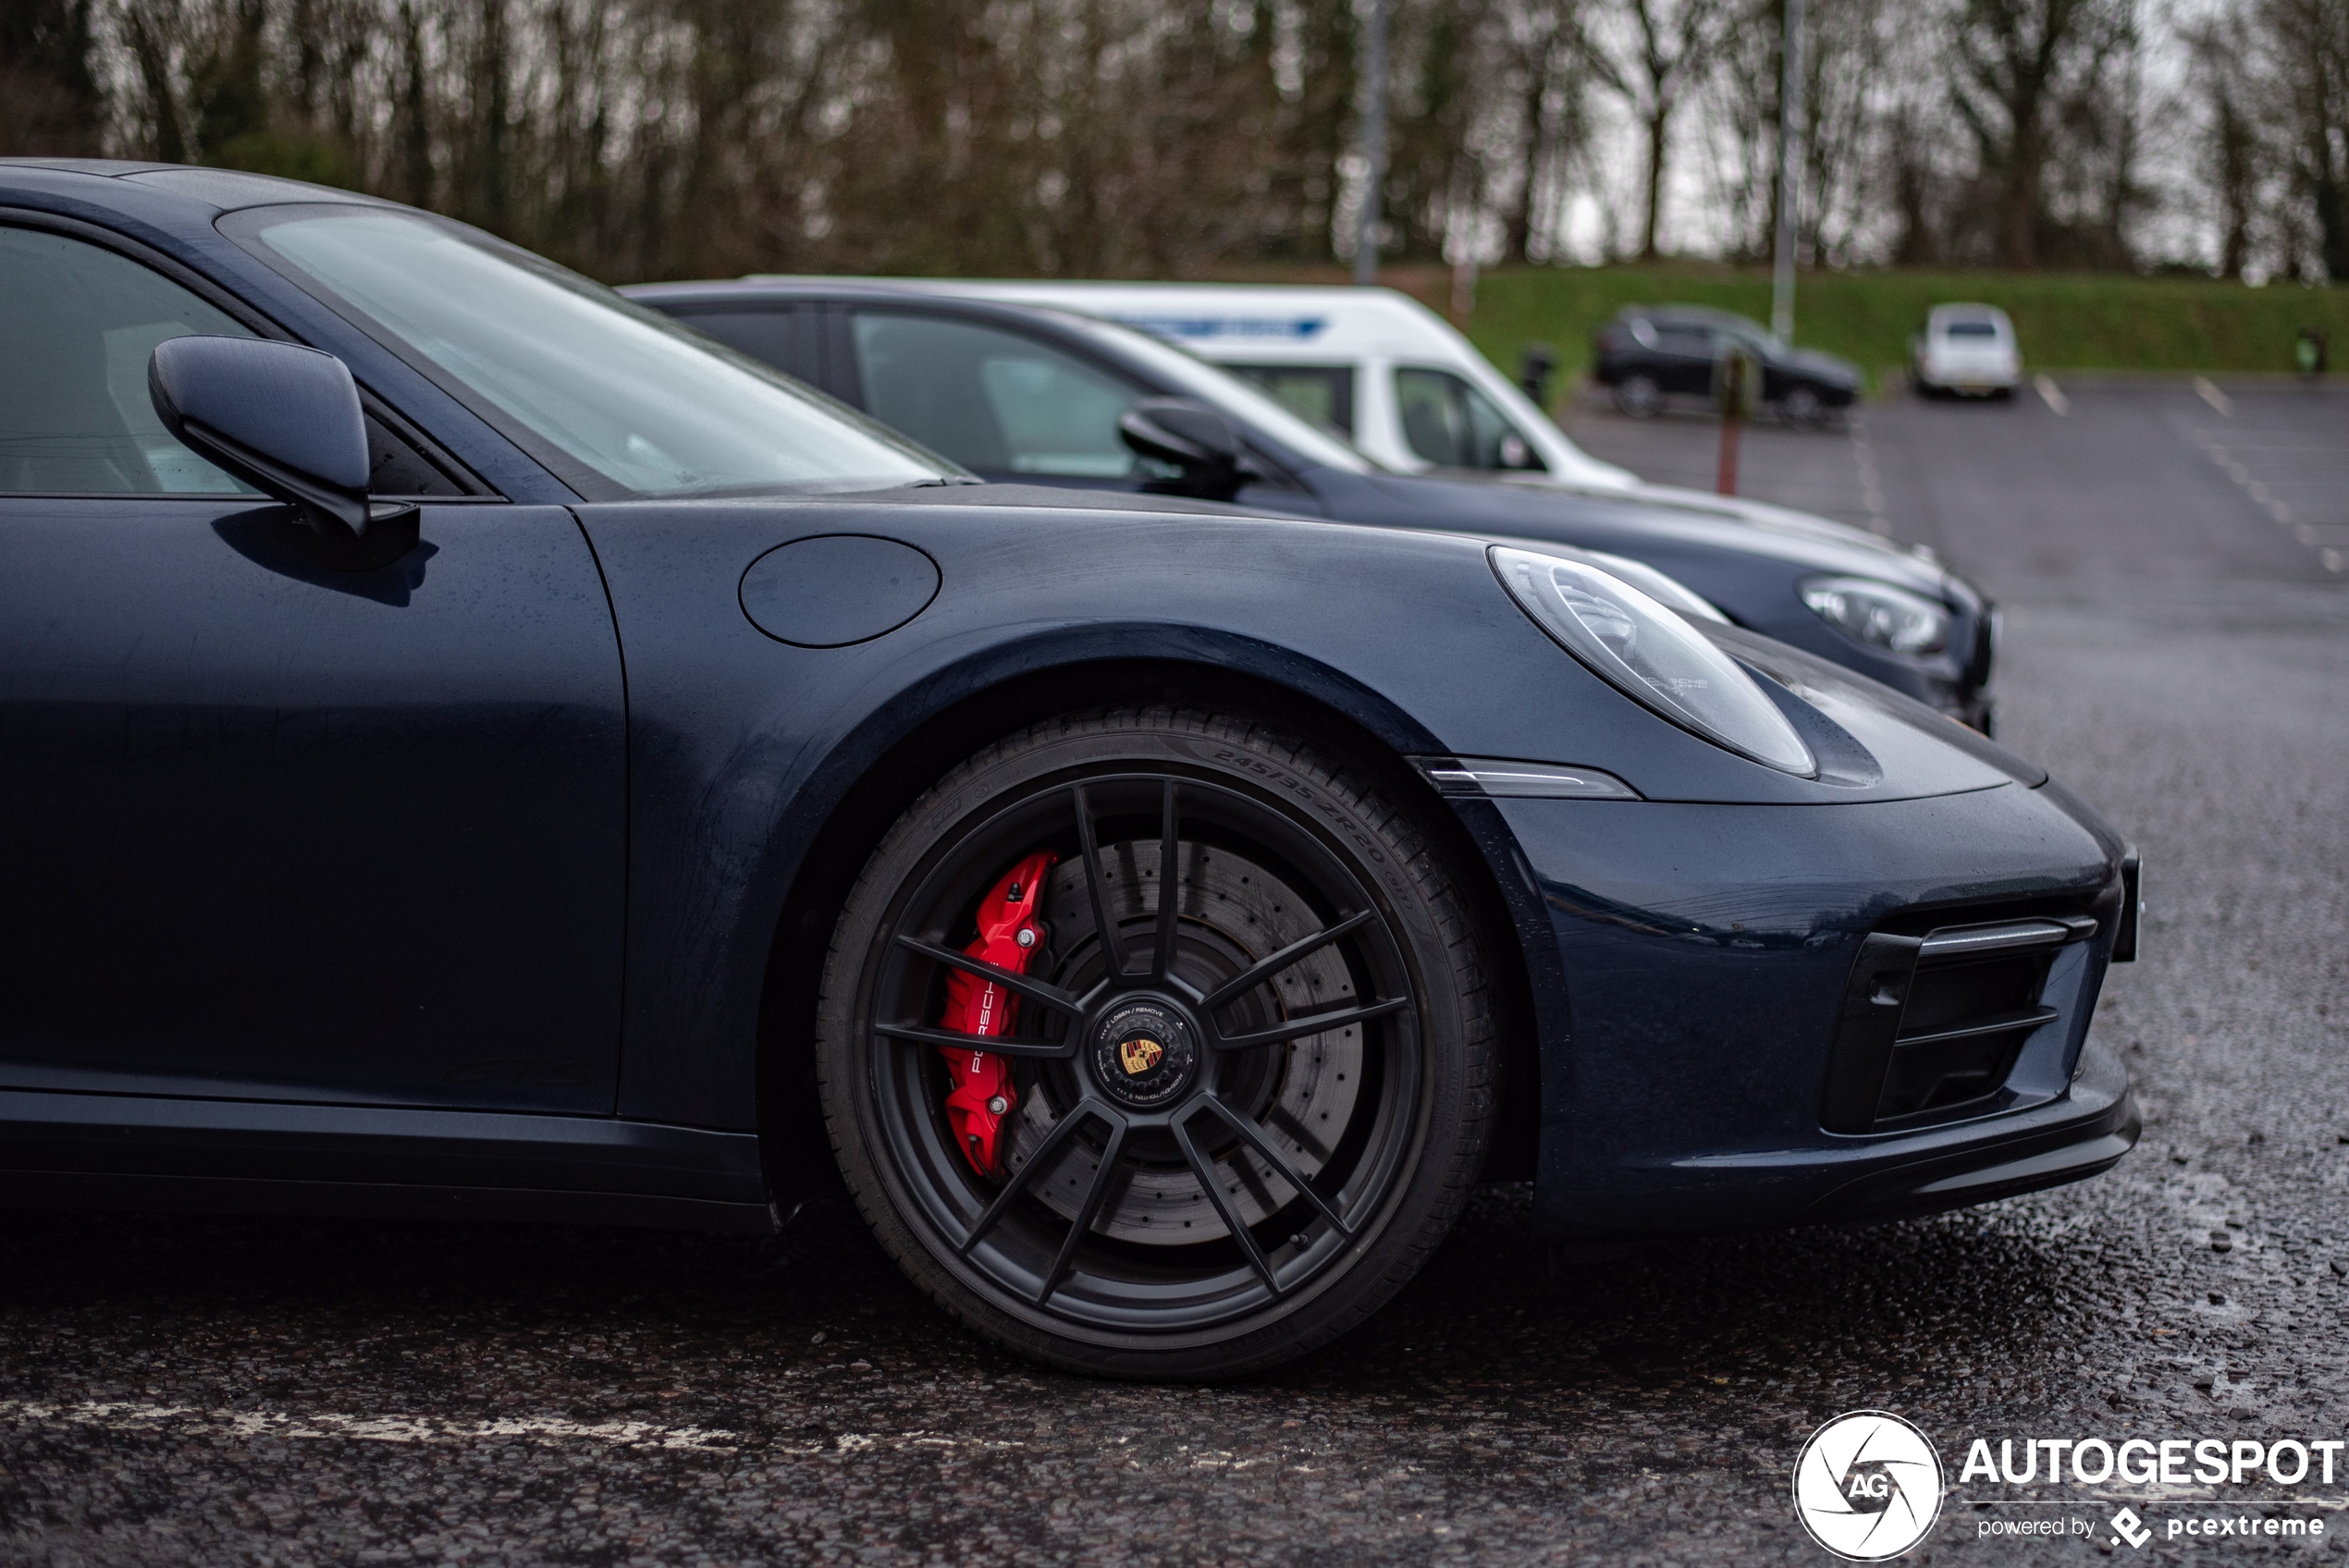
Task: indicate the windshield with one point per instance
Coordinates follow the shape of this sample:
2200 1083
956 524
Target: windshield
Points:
1229 395
616 399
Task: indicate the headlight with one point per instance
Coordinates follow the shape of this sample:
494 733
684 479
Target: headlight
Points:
1664 589
1651 655
1879 614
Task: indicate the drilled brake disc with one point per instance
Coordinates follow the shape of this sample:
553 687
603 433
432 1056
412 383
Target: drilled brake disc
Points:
1231 912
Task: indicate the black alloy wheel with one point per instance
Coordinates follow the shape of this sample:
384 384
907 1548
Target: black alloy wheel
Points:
1639 396
1244 1113
1803 407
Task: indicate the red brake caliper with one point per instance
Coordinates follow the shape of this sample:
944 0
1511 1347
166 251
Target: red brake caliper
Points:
1009 938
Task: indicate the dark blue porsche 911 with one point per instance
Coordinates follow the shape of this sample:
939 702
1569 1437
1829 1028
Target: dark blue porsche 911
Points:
470 747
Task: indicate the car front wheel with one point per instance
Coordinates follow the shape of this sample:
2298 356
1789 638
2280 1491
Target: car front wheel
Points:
1802 409
1243 1070
1638 396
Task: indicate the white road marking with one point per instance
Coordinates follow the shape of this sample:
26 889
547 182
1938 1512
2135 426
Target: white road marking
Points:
2208 393
2050 394
136 1416
1871 486
2258 491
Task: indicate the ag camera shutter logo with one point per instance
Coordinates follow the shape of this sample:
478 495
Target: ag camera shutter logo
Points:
1868 1486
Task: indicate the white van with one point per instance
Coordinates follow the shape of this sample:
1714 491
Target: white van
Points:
1376 365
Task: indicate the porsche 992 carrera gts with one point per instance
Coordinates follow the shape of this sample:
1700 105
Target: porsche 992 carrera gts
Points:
470 747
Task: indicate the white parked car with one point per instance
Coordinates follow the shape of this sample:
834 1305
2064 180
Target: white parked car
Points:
1966 350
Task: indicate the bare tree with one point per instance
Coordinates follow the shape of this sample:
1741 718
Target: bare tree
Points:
2234 150
1542 116
2305 49
1663 50
1846 63
1742 112
644 138
1851 55
49 102
2023 66
1918 177
150 32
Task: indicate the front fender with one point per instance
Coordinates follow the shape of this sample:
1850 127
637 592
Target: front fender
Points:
740 746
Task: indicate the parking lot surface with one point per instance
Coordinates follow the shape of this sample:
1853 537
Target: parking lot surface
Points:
179 1390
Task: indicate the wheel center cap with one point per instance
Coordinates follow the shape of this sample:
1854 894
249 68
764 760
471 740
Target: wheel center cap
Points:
1143 1053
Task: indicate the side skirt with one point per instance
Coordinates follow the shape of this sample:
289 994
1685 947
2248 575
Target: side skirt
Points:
243 1156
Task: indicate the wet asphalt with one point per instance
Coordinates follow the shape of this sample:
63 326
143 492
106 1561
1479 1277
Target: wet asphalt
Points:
183 1391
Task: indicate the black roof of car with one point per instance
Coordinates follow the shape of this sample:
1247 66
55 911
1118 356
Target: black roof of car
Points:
1693 314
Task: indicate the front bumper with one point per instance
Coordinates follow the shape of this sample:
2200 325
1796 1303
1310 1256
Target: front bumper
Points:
2081 1133
1690 963
1975 377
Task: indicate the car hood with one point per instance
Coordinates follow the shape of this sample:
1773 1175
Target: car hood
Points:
1738 509
1611 519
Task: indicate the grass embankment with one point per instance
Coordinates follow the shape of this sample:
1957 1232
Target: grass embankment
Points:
2064 321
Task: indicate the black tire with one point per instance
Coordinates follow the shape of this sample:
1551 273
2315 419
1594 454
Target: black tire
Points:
1803 407
1308 1226
1639 396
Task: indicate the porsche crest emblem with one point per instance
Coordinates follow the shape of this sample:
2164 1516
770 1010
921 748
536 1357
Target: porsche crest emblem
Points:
1138 1055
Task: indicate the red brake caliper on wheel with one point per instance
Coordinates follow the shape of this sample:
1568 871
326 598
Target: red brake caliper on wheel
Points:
1009 938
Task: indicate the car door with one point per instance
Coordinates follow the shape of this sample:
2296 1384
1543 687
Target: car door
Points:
1013 408
1452 424
1006 406
1777 377
1684 354
269 829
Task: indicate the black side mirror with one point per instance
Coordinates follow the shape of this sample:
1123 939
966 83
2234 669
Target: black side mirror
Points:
1196 439
286 420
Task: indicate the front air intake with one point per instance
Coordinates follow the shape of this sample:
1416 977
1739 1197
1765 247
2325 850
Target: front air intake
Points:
1933 1025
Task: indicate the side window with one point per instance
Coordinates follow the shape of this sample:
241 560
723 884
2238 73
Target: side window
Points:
1695 342
772 336
1323 394
77 324
1452 424
396 466
992 400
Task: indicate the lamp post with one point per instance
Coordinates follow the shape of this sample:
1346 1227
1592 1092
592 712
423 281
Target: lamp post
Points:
1790 173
